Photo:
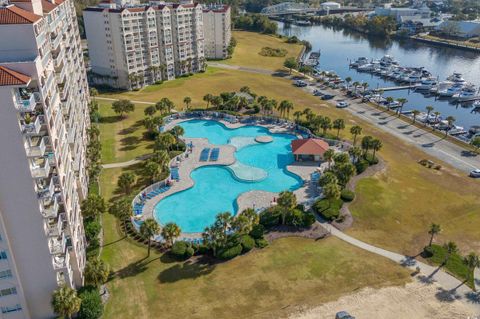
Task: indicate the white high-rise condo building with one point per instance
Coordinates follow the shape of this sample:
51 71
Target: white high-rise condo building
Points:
218 31
131 45
43 135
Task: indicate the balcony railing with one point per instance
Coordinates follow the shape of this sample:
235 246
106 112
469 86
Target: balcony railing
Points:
46 188
40 168
50 206
27 103
57 245
34 128
56 41
61 261
54 226
36 146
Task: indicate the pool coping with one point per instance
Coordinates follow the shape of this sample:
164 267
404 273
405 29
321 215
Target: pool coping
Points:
188 161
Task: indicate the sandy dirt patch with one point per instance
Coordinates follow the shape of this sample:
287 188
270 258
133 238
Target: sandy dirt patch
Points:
415 300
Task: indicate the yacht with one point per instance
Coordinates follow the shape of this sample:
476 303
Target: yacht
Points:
456 77
467 93
426 84
457 130
412 78
451 91
387 60
360 61
441 86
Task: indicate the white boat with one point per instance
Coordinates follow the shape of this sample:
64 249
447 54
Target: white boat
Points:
451 91
360 61
467 93
457 130
426 84
441 86
456 77
412 78
388 60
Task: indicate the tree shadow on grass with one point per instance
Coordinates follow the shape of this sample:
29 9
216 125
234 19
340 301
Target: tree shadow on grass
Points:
186 270
129 143
128 130
110 119
445 295
473 297
134 268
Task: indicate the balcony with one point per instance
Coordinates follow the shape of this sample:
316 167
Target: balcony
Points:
59 58
40 167
36 146
61 261
32 126
26 101
46 188
55 41
54 226
57 245
50 206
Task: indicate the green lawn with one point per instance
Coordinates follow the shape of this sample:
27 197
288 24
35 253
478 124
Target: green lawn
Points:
249 46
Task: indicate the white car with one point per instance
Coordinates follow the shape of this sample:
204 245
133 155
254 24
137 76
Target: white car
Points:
475 173
342 104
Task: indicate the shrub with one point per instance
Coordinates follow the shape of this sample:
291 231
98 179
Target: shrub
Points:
257 231
180 249
347 195
247 243
202 249
231 252
91 306
294 218
330 210
189 252
273 52
158 82
270 217
361 166
370 159
308 219
261 243
92 229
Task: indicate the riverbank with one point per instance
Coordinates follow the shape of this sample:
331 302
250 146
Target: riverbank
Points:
461 45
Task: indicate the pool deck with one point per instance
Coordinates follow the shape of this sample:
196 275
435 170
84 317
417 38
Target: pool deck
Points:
189 161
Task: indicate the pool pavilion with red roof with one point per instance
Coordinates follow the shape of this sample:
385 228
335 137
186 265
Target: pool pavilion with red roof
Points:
309 149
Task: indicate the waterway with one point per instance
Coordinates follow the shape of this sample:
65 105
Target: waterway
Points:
338 47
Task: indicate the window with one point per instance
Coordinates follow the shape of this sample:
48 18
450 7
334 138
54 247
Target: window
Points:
7 309
3 255
8 291
5 274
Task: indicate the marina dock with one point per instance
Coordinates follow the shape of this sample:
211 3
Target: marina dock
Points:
396 88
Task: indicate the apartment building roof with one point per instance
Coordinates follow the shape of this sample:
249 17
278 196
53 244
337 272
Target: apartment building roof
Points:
140 8
217 8
14 15
10 77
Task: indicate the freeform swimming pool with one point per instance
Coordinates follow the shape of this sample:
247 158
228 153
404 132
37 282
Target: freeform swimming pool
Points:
216 188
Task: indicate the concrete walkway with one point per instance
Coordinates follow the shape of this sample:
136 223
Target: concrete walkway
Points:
127 163
452 288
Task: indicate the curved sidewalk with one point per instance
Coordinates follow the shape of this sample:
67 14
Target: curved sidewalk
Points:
452 288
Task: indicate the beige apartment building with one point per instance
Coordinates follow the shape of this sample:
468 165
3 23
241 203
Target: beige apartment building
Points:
43 135
218 30
131 45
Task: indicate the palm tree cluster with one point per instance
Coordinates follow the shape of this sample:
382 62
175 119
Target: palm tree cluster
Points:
370 143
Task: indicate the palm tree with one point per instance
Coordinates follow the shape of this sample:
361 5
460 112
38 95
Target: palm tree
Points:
208 98
169 232
224 220
348 80
450 120
433 230
355 85
376 145
285 106
126 181
437 114
148 229
65 302
308 114
288 201
93 93
366 143
96 272
472 261
365 86
339 124
415 114
328 156
331 191
132 78
325 124
297 115
429 109
450 248
177 131
355 131
355 152
187 100
402 101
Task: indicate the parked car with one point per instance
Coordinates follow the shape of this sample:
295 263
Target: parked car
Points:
317 93
342 104
475 173
343 315
327 97
300 83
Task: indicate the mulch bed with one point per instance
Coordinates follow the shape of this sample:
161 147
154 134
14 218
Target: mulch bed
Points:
316 231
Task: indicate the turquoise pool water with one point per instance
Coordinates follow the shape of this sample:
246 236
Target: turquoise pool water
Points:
216 188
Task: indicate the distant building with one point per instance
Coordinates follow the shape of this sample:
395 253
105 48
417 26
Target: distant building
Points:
330 5
460 29
387 10
309 149
217 31
131 45
416 24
